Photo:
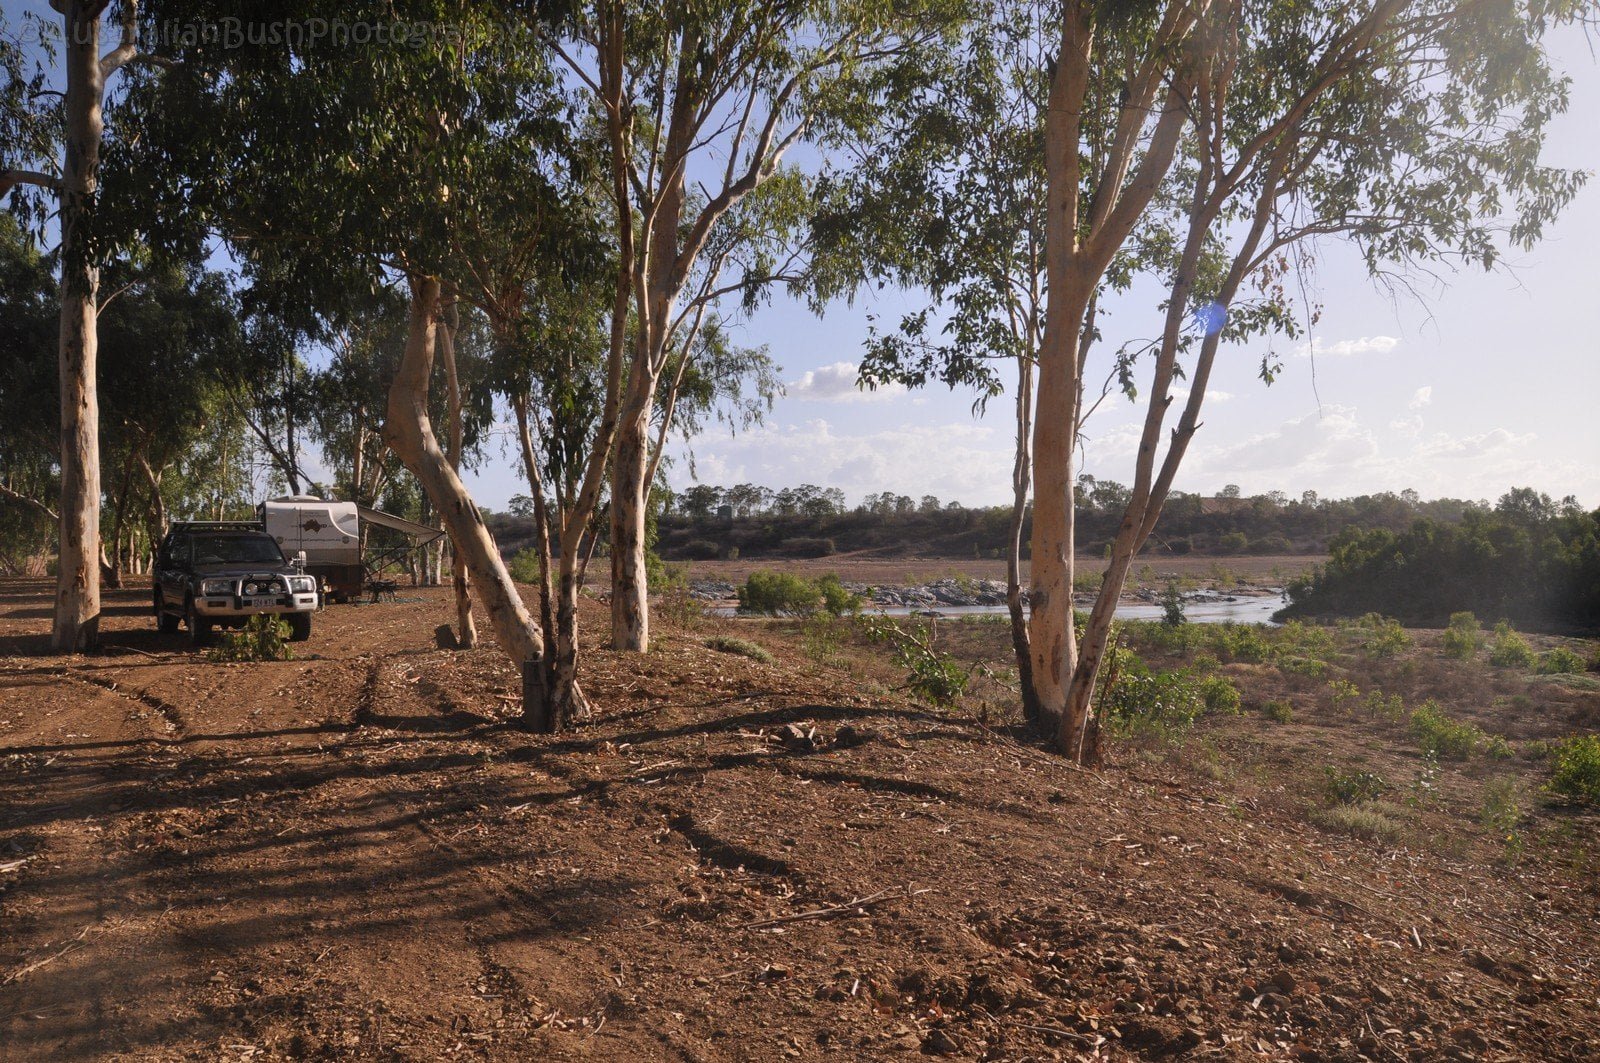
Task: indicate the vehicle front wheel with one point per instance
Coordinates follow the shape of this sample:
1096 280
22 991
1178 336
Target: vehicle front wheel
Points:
299 626
166 623
199 627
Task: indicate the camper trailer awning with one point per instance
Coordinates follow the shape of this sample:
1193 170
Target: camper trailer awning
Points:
422 534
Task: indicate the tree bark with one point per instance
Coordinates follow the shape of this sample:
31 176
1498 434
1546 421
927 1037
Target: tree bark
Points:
466 628
630 607
561 697
1021 483
409 433
77 609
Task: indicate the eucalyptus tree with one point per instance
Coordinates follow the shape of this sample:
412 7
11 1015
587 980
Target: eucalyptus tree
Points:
1412 127
946 196
53 154
1204 144
700 104
350 162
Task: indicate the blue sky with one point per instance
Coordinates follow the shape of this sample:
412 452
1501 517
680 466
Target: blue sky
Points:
1488 382
1491 381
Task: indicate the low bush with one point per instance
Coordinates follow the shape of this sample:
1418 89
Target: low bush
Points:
524 566
1342 692
1219 694
931 674
1352 787
1560 661
785 594
739 648
1577 769
779 594
1380 636
1463 638
836 600
1278 711
1441 735
1510 649
263 638
1362 821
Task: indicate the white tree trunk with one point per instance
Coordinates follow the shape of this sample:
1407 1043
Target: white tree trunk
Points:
466 628
409 433
630 494
77 612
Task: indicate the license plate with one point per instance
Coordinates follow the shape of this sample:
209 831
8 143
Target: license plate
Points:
259 603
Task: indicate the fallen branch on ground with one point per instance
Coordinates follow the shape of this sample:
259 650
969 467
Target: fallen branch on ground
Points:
892 893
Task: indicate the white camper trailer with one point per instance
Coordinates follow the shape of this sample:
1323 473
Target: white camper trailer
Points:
330 534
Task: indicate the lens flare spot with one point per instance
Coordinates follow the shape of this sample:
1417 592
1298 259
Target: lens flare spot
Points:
1210 317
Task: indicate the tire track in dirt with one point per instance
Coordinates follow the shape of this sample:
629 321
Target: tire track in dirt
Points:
170 713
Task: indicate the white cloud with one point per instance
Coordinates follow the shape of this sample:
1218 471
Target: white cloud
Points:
1410 426
1348 348
962 460
838 383
1422 397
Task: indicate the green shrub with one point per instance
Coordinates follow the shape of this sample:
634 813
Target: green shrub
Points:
1577 769
1463 638
740 648
1172 606
785 594
524 567
1219 694
1307 666
1234 543
1439 734
1380 636
779 594
1240 642
1205 663
931 674
1510 649
1342 691
1560 661
263 638
1278 711
1391 707
835 598
1352 787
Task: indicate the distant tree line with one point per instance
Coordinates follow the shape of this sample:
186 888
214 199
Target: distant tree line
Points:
1529 559
707 521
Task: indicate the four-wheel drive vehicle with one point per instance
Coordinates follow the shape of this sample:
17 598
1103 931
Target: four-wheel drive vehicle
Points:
224 572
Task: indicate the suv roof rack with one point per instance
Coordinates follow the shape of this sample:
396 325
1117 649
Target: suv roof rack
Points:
216 525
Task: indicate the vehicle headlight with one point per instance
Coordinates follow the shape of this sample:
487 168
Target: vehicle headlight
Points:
303 584
216 586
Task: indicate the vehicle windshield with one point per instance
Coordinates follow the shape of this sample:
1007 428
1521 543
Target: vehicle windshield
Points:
236 550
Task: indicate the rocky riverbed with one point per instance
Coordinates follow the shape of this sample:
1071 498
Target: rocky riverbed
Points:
954 593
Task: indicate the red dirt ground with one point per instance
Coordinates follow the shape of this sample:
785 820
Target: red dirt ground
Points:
349 856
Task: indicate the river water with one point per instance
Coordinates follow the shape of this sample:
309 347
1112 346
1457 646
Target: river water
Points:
1243 609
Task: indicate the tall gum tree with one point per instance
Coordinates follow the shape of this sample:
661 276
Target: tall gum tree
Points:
1412 127
350 165
73 178
701 103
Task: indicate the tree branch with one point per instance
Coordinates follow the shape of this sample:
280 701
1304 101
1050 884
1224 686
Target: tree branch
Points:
9 179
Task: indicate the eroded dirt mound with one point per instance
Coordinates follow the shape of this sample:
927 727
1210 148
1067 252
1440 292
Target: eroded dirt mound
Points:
350 856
